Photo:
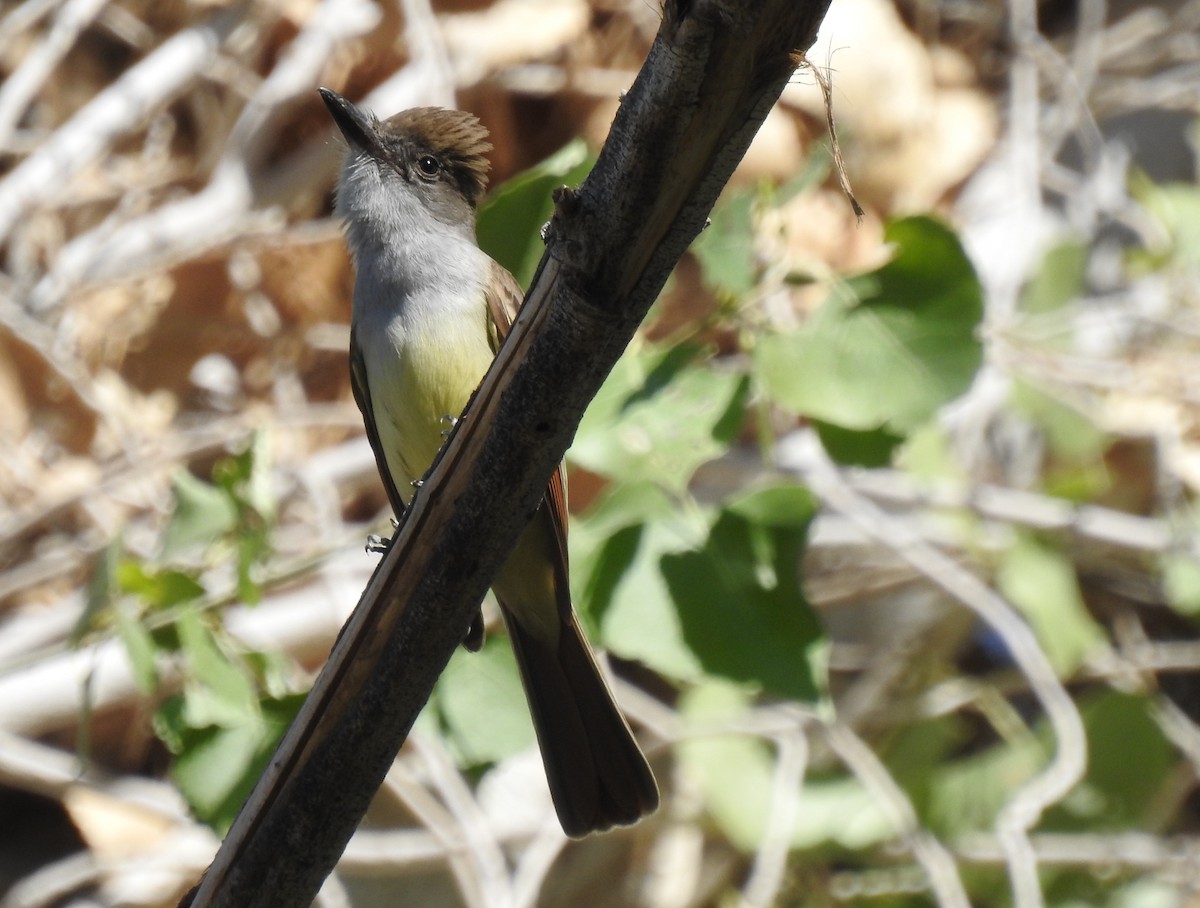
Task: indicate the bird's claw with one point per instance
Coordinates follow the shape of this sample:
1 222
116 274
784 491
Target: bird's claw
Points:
378 545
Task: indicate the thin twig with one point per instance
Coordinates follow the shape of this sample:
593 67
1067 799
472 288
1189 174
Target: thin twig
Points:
490 868
446 830
770 859
1070 759
824 80
535 863
228 206
932 855
23 84
114 112
1032 510
1178 856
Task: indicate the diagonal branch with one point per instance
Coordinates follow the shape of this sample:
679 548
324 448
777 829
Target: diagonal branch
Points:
716 68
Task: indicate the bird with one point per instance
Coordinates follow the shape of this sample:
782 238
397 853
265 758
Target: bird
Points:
429 312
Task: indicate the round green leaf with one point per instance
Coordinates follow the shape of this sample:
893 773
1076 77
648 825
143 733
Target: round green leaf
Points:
904 347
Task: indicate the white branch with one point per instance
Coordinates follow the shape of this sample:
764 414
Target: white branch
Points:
931 854
225 208
1023 810
115 112
770 859
19 88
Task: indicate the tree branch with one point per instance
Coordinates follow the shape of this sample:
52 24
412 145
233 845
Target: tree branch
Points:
716 68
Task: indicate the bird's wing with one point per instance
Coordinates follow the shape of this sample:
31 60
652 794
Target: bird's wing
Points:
504 298
362 397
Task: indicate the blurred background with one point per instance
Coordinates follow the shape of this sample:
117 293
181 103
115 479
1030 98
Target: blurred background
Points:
887 524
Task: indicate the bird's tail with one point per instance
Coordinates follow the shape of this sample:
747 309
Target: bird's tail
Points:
598 776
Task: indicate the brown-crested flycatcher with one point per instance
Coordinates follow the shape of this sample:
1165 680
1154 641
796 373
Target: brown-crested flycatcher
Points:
430 310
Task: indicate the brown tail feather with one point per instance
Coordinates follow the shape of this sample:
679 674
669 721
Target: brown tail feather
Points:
598 776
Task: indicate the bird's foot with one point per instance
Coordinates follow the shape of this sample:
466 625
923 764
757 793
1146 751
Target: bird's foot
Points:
378 545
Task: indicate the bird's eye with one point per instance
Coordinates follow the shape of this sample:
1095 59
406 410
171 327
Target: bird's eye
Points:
428 165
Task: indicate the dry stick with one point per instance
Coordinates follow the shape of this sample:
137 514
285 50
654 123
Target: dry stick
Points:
427 49
537 858
227 207
1019 507
839 163
42 341
112 114
20 87
1070 759
481 846
22 16
1166 856
714 71
766 875
938 864
434 816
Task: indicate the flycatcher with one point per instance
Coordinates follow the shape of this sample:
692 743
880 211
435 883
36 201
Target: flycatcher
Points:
430 310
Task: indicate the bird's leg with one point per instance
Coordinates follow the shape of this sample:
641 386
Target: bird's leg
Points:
377 545
450 421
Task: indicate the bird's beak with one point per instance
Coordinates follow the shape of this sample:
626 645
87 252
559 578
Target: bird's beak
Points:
355 125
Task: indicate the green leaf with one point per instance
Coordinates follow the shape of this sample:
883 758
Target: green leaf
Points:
784 506
1181 583
482 706
604 543
139 647
928 454
736 778
1145 893
858 448
841 812
1176 206
202 513
917 753
169 725
734 772
740 605
814 170
1041 582
214 767
616 549
637 617
158 588
726 247
1069 432
1059 280
1129 767
905 348
101 591
659 416
217 767
510 221
968 794
245 479
623 504
216 691
258 490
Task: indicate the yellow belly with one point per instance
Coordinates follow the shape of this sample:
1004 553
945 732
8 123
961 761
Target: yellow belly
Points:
417 379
